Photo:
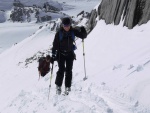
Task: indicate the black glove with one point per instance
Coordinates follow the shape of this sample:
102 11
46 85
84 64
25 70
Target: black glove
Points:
84 33
78 28
53 58
83 29
54 53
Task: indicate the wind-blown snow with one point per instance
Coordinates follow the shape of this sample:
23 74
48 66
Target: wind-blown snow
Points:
117 65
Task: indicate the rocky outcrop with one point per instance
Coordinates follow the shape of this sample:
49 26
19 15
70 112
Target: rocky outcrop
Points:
146 15
92 22
133 12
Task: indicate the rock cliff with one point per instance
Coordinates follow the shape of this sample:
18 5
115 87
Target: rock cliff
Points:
131 12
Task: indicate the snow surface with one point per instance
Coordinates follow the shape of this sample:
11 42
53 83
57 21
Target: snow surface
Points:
11 34
2 17
117 65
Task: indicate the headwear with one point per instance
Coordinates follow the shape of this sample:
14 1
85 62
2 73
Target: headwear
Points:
66 21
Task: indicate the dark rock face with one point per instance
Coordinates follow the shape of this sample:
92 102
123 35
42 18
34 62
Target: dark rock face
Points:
92 20
146 12
111 10
133 12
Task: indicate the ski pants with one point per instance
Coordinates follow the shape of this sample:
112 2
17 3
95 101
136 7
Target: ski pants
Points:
65 65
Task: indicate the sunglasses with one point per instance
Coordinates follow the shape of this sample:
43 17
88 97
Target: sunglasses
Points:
68 25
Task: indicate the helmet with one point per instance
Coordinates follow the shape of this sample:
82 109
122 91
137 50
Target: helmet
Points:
66 21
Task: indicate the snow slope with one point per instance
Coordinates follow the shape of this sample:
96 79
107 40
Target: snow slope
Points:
117 65
11 33
2 15
75 8
10 30
117 62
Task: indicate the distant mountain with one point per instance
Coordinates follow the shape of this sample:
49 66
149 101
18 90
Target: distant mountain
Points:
8 4
29 10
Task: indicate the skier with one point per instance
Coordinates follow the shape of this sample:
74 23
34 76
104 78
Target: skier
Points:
63 52
44 65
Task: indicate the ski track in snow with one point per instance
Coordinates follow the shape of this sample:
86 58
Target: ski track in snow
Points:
84 98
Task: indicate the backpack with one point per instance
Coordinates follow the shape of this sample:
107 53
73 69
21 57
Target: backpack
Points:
41 67
41 60
73 37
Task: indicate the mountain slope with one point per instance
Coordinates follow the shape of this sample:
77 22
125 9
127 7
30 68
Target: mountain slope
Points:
111 86
8 4
117 65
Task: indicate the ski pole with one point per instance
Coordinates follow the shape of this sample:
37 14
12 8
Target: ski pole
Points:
50 80
84 60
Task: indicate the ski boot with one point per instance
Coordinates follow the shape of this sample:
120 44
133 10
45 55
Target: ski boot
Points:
58 90
67 90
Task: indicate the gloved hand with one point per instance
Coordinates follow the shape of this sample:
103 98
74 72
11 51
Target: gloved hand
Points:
53 58
53 55
83 30
78 28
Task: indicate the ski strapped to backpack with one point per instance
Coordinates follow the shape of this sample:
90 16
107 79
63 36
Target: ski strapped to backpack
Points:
73 37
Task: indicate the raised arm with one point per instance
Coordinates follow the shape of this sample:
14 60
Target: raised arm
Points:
80 32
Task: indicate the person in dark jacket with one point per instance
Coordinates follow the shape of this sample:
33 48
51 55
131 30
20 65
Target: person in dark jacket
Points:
63 51
44 65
